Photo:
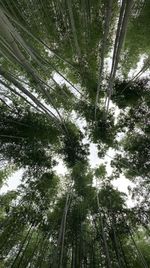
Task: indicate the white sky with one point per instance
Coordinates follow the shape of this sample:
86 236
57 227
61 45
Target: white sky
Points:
12 182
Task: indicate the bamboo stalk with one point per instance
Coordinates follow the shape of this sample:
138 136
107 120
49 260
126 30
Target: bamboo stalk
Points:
104 236
120 36
29 94
69 4
21 247
38 39
107 18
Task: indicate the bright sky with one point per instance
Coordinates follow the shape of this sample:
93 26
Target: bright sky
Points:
12 182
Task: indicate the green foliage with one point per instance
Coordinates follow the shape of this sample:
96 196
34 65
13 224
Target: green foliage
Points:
73 149
54 57
101 130
5 173
25 138
101 172
128 95
137 38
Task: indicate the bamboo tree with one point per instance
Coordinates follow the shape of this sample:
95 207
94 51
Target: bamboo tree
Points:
103 235
26 92
10 38
63 230
18 94
116 242
140 255
39 40
107 20
44 122
22 245
69 3
120 36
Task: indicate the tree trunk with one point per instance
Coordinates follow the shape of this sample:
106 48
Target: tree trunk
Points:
104 236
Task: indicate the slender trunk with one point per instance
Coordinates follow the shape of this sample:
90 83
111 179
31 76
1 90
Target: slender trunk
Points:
38 39
104 236
80 249
120 36
11 228
37 243
63 230
21 247
107 18
10 35
24 251
122 10
76 251
73 256
116 243
28 94
140 255
24 61
123 255
18 94
69 3
93 257
58 257
42 252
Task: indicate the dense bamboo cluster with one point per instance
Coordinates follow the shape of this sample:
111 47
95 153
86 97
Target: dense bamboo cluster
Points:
65 86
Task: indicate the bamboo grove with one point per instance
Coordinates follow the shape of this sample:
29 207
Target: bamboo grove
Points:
74 74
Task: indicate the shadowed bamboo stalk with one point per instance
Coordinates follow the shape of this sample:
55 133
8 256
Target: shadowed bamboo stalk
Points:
58 258
46 46
22 246
18 94
103 235
7 76
120 37
38 39
11 36
139 253
69 4
107 20
64 229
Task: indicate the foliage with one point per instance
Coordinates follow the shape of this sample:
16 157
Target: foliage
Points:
57 99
